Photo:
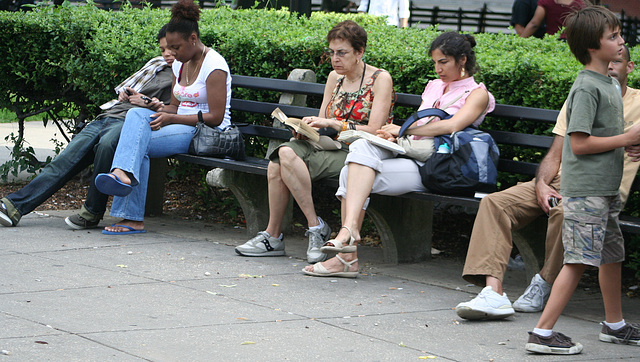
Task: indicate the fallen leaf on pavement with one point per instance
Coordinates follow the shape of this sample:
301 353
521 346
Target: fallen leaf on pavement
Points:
250 276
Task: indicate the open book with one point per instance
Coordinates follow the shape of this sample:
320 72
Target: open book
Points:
349 136
296 124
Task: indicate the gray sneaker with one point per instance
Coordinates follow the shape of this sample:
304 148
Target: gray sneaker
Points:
534 297
628 334
556 343
5 220
80 223
262 245
316 240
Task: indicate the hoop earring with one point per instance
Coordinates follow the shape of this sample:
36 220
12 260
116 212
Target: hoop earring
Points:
462 73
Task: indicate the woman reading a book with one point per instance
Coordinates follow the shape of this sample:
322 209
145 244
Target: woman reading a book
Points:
357 96
370 168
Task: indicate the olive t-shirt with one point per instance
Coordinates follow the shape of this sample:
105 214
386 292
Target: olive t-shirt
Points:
594 107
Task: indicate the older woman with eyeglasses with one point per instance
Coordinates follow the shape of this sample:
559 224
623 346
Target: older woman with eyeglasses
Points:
356 96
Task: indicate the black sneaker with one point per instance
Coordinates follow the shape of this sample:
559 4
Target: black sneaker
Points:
628 334
79 223
556 343
5 220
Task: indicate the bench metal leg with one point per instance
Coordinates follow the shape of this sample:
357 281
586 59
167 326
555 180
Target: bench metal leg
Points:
158 169
405 227
252 194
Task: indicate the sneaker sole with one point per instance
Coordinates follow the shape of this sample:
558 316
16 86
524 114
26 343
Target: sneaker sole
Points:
521 309
318 259
611 339
265 253
540 348
5 220
476 314
78 227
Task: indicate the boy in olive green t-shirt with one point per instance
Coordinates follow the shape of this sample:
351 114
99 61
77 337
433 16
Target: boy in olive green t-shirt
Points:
592 160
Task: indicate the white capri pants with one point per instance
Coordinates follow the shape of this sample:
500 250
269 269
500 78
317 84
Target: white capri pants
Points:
394 175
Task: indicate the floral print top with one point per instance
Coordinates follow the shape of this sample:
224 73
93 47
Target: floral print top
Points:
355 105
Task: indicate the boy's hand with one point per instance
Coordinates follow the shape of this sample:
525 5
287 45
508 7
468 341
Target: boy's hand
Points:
633 152
634 135
124 95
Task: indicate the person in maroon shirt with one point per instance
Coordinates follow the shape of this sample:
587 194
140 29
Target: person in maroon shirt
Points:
553 13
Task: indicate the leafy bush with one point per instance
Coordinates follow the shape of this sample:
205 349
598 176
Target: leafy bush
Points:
78 54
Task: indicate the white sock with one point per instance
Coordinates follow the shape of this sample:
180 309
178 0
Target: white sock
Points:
616 326
543 332
279 237
319 226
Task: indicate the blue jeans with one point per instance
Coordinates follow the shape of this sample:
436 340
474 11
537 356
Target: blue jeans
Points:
137 144
95 144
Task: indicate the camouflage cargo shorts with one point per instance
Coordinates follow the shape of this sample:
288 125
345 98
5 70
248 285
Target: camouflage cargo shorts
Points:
591 232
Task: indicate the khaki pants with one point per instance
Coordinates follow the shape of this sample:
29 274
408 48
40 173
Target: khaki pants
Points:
491 241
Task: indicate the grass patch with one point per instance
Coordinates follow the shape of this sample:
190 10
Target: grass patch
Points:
7 116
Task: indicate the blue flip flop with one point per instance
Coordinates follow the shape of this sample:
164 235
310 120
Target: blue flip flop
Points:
112 185
131 231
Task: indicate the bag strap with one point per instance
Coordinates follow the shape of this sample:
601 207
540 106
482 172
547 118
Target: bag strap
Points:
427 112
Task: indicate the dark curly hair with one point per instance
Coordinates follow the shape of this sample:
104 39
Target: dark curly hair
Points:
184 18
350 31
457 45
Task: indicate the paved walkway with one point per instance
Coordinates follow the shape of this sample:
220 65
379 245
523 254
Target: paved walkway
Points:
179 293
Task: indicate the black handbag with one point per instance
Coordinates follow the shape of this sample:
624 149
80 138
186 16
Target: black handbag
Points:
216 142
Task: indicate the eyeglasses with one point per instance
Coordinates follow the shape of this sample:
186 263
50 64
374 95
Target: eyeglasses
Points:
340 53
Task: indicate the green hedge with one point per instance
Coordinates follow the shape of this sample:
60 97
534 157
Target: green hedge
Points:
75 55
78 54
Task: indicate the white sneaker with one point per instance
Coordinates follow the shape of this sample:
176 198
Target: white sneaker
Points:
5 220
486 305
534 297
262 245
316 239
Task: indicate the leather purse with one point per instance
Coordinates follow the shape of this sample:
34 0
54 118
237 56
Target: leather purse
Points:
216 142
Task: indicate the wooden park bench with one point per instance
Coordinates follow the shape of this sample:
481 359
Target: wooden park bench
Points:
405 222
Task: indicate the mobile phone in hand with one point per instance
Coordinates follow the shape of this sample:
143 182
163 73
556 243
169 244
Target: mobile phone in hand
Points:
553 201
146 99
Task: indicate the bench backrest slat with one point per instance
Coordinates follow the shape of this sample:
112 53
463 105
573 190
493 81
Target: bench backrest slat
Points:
266 108
502 111
278 85
520 139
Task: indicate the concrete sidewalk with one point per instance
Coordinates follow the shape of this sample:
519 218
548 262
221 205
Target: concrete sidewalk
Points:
179 293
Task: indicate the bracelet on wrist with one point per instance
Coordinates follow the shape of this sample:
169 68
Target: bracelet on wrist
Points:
352 126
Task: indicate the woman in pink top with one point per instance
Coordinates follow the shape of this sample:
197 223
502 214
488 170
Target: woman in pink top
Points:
553 13
371 169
